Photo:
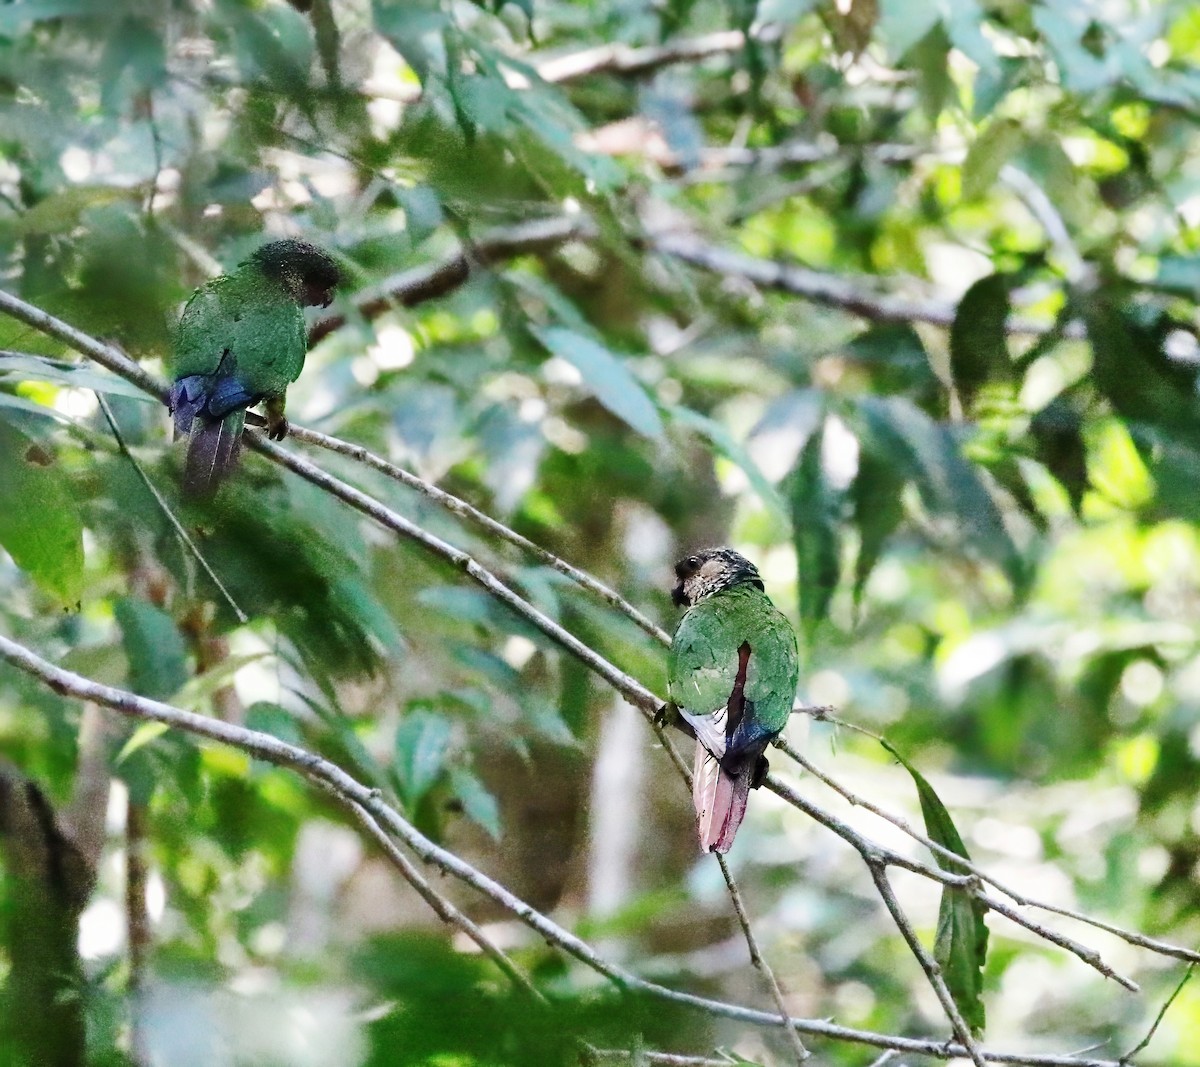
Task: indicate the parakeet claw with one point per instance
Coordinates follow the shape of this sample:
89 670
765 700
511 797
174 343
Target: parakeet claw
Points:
667 715
277 428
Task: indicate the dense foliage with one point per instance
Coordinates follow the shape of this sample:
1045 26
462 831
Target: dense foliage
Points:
896 296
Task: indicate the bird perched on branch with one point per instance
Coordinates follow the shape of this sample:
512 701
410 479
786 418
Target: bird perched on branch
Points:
731 675
242 340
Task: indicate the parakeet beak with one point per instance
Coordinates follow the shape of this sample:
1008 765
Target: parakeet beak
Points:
679 597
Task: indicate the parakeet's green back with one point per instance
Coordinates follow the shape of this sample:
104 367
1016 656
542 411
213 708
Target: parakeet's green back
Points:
702 665
251 317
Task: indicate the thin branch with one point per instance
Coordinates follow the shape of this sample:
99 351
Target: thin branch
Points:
928 964
349 792
623 59
831 290
1163 948
1158 1018
137 923
759 962
656 1059
1088 955
446 911
457 506
432 280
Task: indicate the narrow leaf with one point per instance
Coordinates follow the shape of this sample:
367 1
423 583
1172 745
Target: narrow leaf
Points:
951 488
422 744
991 150
606 376
877 510
960 946
726 446
40 526
816 510
143 735
156 652
477 801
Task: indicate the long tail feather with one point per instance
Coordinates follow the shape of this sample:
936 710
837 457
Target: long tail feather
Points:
212 453
720 799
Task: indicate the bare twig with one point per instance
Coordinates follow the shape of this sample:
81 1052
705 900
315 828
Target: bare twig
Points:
457 506
831 290
446 911
137 922
622 59
1158 1018
432 280
349 792
928 964
759 962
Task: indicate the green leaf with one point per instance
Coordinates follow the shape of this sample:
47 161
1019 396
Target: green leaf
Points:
477 801
816 510
985 158
422 744
727 447
40 526
156 652
960 946
978 343
902 23
951 488
609 379
143 735
877 509
22 367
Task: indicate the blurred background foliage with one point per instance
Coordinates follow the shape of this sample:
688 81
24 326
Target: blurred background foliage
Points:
986 535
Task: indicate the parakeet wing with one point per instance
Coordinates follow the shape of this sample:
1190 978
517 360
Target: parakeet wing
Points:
253 320
703 663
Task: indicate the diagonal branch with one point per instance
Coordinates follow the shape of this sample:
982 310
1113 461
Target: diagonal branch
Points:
759 961
928 964
459 507
350 793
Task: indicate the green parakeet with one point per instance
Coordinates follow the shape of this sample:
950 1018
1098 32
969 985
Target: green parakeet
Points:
242 340
731 675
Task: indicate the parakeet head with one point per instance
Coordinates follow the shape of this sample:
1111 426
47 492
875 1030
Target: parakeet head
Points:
709 571
309 274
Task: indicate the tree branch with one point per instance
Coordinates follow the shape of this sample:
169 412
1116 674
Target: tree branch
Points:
432 280
459 507
759 962
928 964
350 793
830 290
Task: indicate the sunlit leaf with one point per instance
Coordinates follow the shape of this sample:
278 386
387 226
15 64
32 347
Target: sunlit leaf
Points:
961 944
422 745
991 150
40 525
477 801
606 376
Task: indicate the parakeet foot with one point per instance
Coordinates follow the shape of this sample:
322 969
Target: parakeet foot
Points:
761 769
277 429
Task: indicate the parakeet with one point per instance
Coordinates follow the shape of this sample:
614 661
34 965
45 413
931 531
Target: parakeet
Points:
731 674
241 340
